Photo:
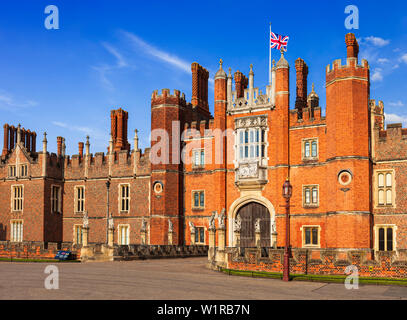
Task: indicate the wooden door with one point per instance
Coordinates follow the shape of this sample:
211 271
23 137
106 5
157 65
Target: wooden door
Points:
248 215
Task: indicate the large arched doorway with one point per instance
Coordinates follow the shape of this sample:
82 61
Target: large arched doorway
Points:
249 213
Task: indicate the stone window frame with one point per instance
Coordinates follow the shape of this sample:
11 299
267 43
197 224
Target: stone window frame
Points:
262 126
376 228
120 197
12 236
310 140
12 171
12 198
200 164
59 199
199 199
21 171
119 234
76 199
75 227
204 235
376 188
311 204
302 229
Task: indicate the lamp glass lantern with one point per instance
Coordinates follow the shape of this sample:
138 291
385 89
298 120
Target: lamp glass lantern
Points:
287 189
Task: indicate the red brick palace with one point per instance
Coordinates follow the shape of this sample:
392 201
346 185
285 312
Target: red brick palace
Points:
348 173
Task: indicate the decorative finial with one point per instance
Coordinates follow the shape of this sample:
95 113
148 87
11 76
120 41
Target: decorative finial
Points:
220 63
313 87
274 63
87 138
230 71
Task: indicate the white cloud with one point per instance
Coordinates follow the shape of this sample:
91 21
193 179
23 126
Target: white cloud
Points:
377 75
7 101
396 104
376 41
157 53
404 58
121 62
383 60
394 118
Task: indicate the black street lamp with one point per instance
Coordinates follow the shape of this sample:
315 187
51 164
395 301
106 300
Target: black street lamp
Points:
287 193
107 213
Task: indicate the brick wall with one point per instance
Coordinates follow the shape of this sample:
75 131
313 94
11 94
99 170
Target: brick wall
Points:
328 262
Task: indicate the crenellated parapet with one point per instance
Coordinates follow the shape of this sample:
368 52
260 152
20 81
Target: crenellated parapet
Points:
310 116
166 98
391 144
349 71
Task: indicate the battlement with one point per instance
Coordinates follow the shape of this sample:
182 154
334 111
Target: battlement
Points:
199 129
391 143
310 116
165 97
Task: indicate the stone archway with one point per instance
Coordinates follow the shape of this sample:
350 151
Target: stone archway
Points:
241 202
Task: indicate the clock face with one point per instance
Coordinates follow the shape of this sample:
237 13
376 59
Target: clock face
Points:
158 187
345 177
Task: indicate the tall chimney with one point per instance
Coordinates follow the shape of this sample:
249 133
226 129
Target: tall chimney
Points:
6 137
81 149
301 69
59 146
352 46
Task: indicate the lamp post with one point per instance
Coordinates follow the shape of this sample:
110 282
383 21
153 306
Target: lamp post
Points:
107 213
287 192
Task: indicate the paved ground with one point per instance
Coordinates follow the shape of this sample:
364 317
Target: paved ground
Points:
165 279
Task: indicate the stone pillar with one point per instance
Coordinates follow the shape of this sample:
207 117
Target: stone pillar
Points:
274 239
221 239
212 244
170 234
257 239
110 236
237 239
85 235
143 236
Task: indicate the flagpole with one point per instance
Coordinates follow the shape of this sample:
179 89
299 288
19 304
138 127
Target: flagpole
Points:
270 56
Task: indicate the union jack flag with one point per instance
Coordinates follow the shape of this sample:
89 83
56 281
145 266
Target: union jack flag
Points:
278 41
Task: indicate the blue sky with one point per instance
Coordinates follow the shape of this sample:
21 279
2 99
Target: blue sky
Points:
110 54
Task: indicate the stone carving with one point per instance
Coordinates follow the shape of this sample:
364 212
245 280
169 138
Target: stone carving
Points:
85 220
143 225
170 226
237 226
248 170
250 122
221 219
111 222
212 220
192 227
257 226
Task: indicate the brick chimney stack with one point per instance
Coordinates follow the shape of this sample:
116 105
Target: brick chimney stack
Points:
80 144
200 78
301 69
59 146
352 46
241 83
6 137
118 129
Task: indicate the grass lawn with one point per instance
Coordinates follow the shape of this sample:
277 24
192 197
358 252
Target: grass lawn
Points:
316 277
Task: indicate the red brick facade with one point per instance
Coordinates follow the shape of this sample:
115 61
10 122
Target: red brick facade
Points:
245 152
